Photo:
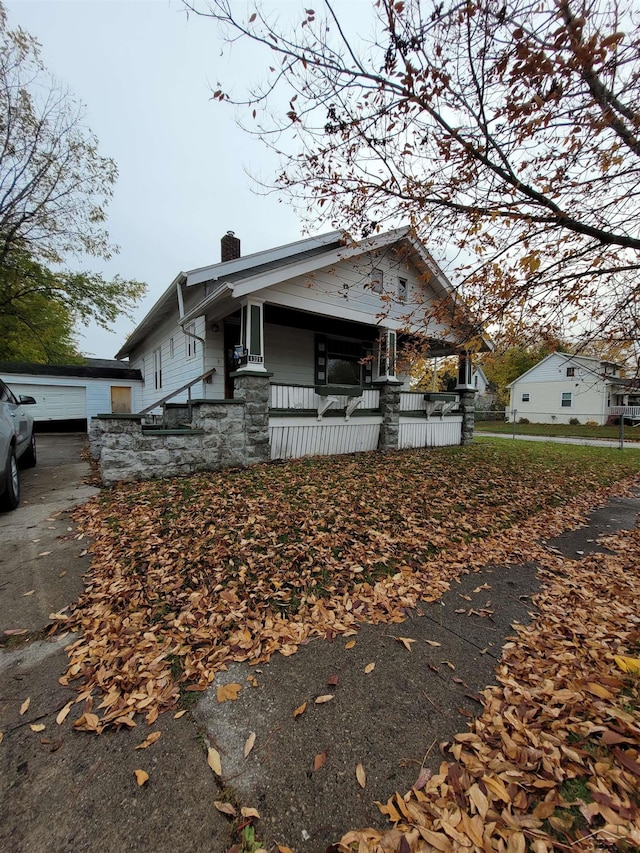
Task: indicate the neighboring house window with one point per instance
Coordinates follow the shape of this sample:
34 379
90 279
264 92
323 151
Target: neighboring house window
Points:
377 281
525 398
571 371
157 368
402 289
475 381
191 343
566 399
171 348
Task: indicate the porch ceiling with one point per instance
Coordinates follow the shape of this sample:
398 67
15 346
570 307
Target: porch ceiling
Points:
291 318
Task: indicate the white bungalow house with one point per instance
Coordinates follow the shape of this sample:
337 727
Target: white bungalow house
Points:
562 387
320 321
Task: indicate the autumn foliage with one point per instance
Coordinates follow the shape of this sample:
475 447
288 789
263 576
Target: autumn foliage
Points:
507 134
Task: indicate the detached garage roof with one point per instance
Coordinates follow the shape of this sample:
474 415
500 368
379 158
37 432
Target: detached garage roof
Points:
93 368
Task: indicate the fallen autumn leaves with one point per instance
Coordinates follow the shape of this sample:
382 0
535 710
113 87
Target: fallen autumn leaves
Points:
553 762
190 574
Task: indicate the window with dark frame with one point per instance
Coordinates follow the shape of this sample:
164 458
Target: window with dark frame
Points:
402 289
566 399
341 362
191 342
157 368
525 398
571 371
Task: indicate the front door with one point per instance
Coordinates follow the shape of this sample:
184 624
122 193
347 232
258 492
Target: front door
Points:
231 340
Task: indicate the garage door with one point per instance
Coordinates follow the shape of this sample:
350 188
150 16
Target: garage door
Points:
54 402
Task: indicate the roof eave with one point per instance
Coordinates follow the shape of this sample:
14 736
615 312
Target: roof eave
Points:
148 322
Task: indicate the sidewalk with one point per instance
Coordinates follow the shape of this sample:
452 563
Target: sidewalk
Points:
593 442
64 790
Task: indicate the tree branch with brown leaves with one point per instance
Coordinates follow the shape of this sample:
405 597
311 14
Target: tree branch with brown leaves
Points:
505 132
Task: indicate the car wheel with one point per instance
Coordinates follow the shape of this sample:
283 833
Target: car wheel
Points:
11 497
30 456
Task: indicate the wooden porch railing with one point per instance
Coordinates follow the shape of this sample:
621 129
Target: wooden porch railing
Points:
625 411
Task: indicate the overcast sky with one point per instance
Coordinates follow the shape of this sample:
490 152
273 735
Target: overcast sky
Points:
145 71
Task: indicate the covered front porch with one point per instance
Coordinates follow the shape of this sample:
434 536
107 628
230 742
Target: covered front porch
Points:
334 385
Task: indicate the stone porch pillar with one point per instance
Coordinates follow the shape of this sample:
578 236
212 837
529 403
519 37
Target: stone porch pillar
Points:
253 388
390 409
468 408
467 394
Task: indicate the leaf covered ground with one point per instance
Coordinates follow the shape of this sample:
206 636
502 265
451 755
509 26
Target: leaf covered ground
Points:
190 574
553 762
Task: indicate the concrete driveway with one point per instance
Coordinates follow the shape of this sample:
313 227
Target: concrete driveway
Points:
41 563
62 790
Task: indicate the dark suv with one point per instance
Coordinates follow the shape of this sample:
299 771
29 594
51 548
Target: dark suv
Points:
17 444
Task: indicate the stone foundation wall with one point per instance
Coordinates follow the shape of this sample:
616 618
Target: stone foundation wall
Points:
125 451
220 433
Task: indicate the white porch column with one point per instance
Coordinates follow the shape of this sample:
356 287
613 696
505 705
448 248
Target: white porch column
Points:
387 355
465 372
252 336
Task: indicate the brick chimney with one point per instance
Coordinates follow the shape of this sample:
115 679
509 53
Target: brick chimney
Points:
229 247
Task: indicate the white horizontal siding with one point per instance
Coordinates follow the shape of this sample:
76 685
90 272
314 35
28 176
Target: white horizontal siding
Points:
180 369
342 290
292 438
588 400
435 432
289 354
554 369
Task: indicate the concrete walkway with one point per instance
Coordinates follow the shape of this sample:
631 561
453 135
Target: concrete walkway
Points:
593 442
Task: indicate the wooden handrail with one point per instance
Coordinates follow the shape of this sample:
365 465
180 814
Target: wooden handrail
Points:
178 391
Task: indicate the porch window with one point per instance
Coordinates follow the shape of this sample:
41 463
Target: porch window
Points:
341 362
566 399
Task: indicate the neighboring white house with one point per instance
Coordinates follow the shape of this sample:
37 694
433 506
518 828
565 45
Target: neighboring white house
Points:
322 317
562 387
74 393
485 396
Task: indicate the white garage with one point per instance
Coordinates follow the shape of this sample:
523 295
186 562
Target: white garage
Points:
73 394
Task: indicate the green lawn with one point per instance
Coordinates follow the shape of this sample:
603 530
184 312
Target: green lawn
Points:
561 430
